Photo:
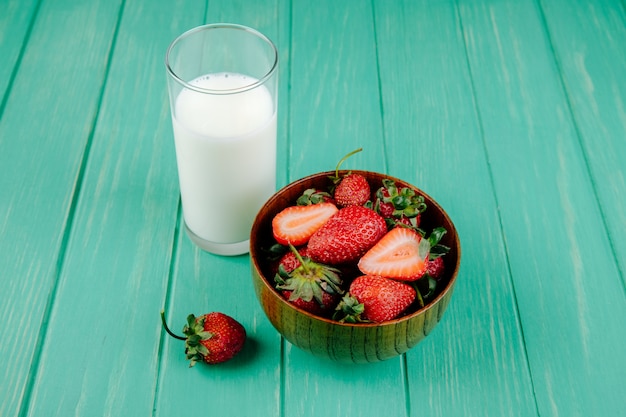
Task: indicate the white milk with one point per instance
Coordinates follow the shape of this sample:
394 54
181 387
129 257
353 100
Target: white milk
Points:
226 155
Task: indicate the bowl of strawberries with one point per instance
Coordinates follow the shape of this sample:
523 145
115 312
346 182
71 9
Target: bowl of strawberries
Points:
355 266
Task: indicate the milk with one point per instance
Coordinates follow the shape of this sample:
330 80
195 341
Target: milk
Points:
226 156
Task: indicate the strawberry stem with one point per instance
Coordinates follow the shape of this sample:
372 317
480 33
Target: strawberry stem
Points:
344 158
299 258
167 329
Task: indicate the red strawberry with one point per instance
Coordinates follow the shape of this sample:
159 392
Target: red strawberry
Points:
314 196
400 254
295 224
289 261
399 204
347 235
212 338
375 298
435 268
352 190
308 285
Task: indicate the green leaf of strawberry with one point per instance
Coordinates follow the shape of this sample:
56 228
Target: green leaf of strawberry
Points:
211 338
309 285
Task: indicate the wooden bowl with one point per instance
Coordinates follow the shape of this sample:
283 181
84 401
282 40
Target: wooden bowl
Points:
344 342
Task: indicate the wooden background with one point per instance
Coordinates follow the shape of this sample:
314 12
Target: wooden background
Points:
511 113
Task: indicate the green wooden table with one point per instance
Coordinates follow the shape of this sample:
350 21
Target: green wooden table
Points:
511 113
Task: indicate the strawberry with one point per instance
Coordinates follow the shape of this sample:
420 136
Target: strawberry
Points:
295 224
435 268
352 190
308 285
347 235
314 196
375 298
399 205
289 261
211 338
401 254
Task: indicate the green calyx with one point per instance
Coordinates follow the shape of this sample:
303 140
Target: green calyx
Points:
436 248
405 201
313 196
194 330
349 310
194 334
308 281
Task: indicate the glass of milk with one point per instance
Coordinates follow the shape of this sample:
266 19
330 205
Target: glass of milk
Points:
222 83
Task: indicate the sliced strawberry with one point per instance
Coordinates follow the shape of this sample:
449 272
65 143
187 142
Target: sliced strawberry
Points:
401 254
296 224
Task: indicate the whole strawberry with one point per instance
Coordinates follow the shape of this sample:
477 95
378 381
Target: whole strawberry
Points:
308 285
399 205
347 235
376 299
352 190
211 338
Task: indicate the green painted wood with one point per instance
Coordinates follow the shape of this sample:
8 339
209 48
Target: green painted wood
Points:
250 384
334 109
592 64
104 330
334 91
43 134
15 22
519 102
565 276
474 363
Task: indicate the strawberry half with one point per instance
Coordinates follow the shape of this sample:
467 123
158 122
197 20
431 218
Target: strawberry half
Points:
211 338
375 298
401 254
347 235
296 224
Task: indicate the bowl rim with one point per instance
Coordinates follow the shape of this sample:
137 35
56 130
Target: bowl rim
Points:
254 257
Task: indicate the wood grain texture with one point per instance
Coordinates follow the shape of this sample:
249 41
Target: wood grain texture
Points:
474 363
592 63
250 384
44 131
103 328
15 24
510 113
555 239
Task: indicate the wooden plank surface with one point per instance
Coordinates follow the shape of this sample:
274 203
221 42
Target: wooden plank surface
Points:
44 131
509 113
474 363
554 232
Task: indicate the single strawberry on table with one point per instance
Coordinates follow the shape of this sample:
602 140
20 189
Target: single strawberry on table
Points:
296 224
309 285
347 235
376 299
401 254
211 338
